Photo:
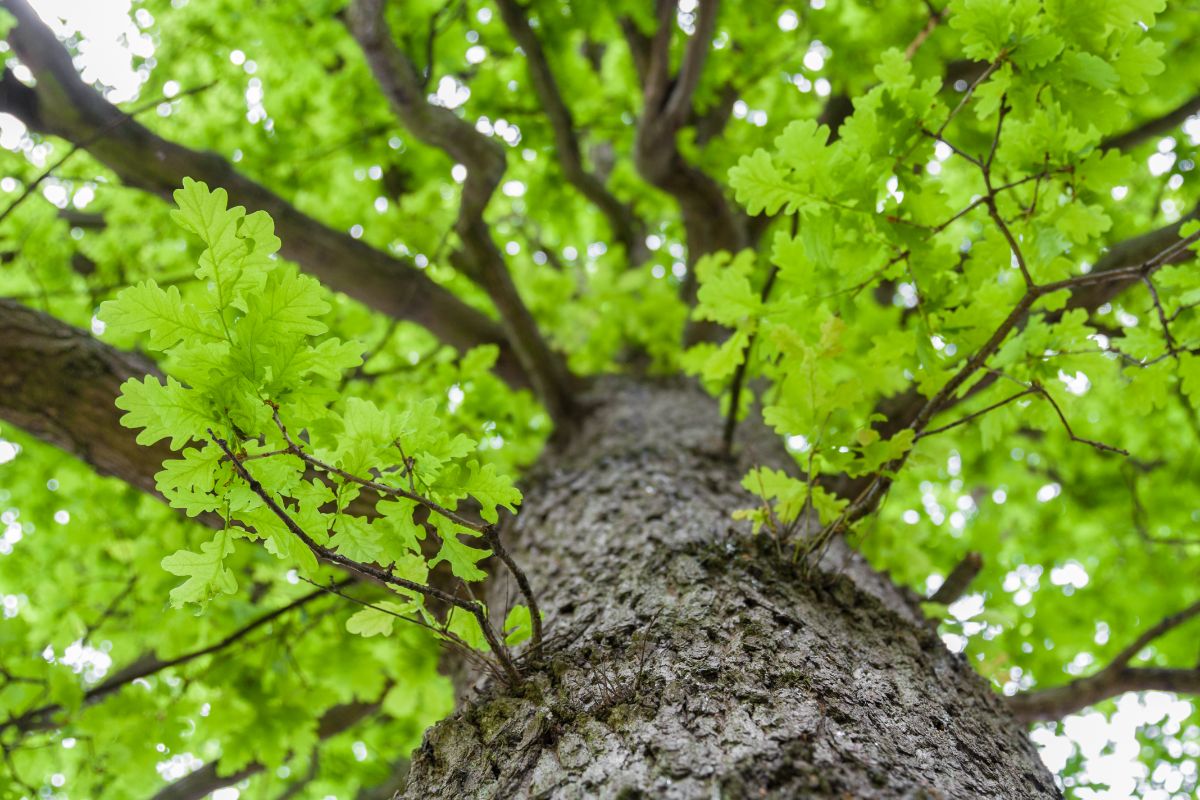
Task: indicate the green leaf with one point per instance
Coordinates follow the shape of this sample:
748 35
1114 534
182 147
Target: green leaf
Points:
206 573
163 411
148 308
462 558
725 295
518 625
377 620
491 489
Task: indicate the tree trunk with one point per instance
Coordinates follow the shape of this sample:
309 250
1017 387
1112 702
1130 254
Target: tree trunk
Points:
686 660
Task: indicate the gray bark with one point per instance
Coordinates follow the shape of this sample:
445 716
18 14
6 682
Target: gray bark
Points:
685 660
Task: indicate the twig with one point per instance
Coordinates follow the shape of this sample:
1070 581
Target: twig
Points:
146 668
492 535
935 19
382 488
976 415
1066 425
441 631
739 374
383 576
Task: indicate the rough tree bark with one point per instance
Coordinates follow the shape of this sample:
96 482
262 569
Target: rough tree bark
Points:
686 660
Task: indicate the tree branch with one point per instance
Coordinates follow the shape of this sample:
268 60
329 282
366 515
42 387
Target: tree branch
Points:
868 496
1115 271
1164 626
60 383
959 579
484 159
710 221
1153 127
371 571
1117 678
1125 254
63 105
39 718
628 229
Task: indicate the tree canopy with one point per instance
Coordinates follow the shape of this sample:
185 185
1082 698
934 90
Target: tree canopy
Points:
342 269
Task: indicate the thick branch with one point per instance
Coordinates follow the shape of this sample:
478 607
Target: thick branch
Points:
1153 127
710 221
626 227
1117 678
1056 703
63 105
484 159
59 383
1125 254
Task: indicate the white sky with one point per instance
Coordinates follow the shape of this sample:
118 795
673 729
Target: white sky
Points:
112 37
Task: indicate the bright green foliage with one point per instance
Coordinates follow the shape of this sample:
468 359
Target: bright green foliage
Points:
254 372
887 271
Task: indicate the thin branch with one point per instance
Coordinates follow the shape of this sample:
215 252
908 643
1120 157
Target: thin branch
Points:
1164 626
966 98
626 226
144 668
443 631
739 374
877 485
981 412
383 576
1067 426
382 488
492 536
484 159
1172 350
935 19
61 104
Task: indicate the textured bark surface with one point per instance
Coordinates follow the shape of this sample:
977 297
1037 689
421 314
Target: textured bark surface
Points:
686 661
59 383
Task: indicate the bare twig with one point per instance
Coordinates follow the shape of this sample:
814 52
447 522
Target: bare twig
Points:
977 414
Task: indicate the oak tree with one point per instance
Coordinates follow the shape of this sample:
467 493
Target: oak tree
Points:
518 398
